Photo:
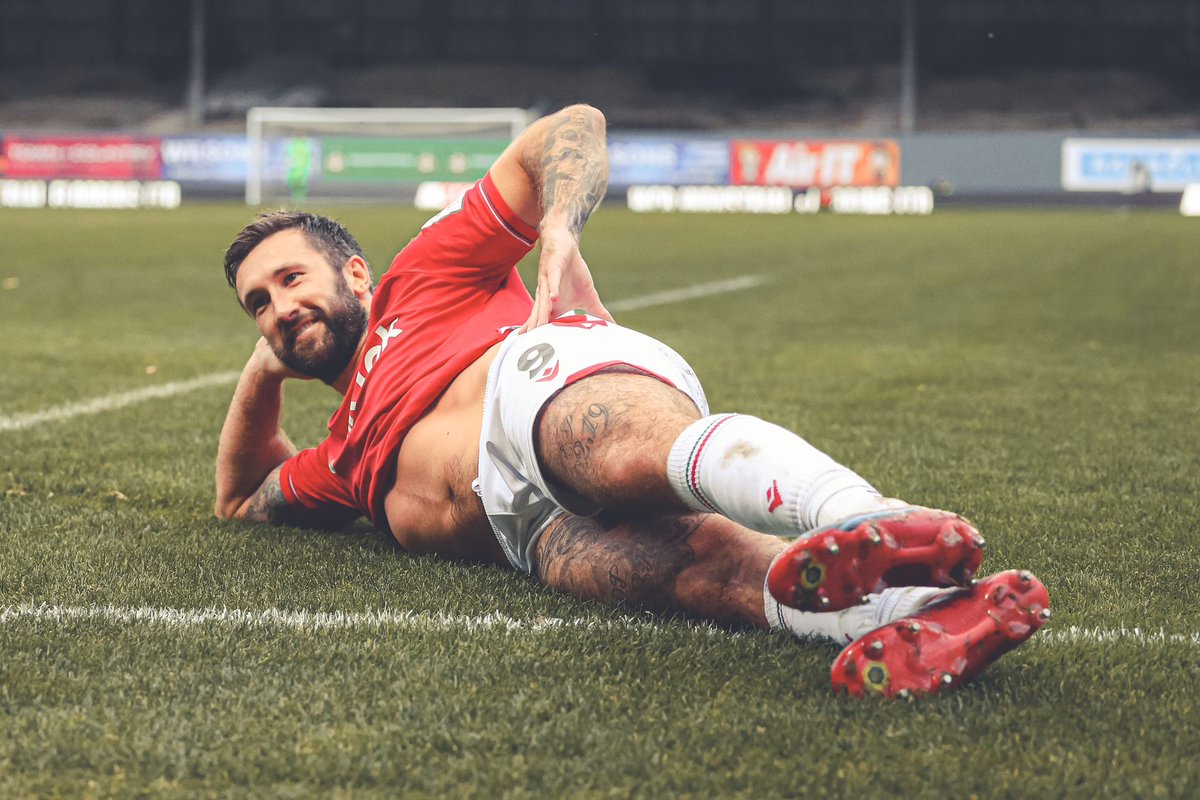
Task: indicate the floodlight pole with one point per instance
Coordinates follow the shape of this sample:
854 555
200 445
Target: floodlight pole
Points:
908 68
195 91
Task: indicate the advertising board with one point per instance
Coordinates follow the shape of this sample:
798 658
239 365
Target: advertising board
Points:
1130 165
81 156
821 163
222 158
407 160
672 161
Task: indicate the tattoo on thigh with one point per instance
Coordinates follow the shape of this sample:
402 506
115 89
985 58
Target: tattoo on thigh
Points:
576 446
596 419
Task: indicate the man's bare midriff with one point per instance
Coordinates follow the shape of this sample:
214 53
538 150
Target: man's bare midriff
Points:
432 507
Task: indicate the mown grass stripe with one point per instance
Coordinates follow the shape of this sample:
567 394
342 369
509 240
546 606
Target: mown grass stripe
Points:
112 402
97 405
445 622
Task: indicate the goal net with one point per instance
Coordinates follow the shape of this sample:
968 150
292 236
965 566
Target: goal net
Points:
370 154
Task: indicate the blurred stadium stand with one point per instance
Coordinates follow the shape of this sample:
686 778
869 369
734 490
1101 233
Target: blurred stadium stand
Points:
684 64
983 98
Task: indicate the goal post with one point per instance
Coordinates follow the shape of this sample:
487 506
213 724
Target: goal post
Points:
299 154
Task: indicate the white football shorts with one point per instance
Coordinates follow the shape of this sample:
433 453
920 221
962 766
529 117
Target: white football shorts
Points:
529 369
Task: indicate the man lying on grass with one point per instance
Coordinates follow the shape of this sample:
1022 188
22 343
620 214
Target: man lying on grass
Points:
479 423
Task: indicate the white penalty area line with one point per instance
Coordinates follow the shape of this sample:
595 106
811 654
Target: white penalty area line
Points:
112 402
688 293
442 622
17 422
1078 635
310 621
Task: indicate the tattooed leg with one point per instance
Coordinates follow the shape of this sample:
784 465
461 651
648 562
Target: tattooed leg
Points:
608 436
701 564
632 442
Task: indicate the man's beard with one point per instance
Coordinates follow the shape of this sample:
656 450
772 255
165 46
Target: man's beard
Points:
329 356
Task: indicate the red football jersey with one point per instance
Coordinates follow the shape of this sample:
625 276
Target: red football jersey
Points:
448 296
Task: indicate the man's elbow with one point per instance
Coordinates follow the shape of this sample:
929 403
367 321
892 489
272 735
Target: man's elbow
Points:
589 113
228 508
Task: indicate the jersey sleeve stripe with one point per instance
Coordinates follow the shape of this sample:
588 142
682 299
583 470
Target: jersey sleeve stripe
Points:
502 213
285 484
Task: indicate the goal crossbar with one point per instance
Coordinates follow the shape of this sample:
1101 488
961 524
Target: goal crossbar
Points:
513 119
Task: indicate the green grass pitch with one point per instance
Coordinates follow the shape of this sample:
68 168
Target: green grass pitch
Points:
1038 371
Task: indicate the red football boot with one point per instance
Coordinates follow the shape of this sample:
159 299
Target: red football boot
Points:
836 567
947 642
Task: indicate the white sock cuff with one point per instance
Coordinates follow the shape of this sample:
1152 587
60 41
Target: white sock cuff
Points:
836 494
683 462
772 610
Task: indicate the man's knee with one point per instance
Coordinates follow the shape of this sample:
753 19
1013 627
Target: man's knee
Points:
608 436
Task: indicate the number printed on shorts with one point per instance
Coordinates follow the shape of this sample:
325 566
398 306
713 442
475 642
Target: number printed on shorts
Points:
537 362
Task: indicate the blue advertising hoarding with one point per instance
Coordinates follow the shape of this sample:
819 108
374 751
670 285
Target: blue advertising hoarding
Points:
660 160
1130 165
225 158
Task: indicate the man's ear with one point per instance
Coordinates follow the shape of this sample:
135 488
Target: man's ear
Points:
357 275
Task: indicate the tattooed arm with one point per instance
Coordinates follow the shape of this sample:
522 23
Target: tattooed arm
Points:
252 444
269 505
252 448
553 176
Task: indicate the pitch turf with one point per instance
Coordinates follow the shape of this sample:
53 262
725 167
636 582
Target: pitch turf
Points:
1038 371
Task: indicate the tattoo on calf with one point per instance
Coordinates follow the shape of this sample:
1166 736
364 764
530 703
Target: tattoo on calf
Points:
633 561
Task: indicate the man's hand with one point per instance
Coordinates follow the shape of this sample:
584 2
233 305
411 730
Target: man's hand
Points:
564 281
252 443
268 364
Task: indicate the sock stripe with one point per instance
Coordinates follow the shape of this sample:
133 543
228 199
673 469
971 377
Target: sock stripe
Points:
772 608
693 461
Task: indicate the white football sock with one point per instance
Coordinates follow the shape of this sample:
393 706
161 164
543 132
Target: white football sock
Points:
849 624
764 477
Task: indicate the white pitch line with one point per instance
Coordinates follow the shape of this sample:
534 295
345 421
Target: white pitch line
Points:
318 620
112 402
687 293
310 621
17 422
1077 635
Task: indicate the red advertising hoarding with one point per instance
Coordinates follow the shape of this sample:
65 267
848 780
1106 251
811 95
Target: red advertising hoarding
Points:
819 163
104 157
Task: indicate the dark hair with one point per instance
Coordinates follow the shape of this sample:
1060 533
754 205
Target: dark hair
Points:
327 236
